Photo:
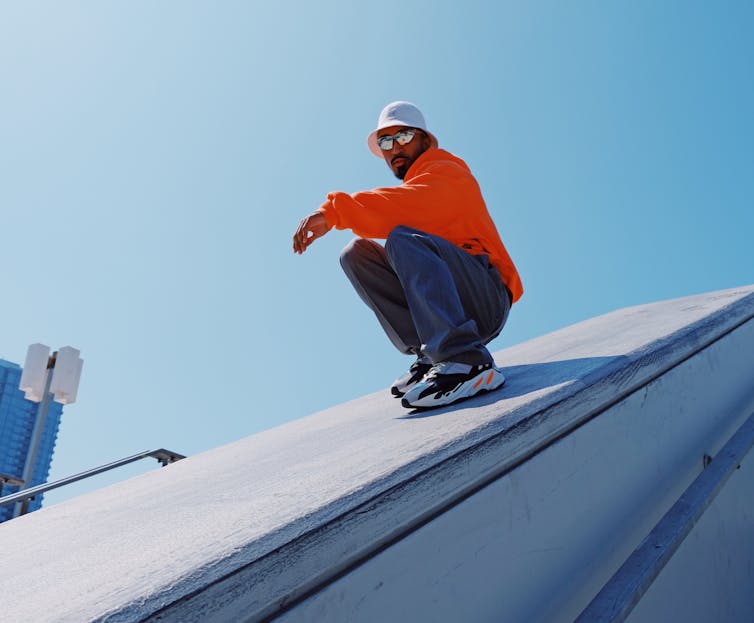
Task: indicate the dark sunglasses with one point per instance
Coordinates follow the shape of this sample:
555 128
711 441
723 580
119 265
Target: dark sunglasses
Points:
402 137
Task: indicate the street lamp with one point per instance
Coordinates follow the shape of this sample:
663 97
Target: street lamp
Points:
46 377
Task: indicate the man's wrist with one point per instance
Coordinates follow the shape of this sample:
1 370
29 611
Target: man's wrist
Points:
323 211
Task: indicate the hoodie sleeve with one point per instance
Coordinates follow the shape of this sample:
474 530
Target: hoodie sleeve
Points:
435 193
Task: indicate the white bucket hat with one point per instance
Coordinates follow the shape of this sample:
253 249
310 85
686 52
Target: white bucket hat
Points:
398 113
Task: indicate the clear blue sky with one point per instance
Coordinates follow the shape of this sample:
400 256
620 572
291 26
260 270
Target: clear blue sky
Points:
156 158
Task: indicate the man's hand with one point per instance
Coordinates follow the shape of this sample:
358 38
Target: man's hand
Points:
310 228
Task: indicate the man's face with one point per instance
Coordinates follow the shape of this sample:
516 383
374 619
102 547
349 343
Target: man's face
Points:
401 157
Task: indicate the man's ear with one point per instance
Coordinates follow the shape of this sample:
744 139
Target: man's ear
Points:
426 141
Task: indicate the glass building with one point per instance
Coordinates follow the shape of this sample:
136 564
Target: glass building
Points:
17 418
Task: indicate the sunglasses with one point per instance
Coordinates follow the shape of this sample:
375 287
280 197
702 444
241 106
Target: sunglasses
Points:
402 137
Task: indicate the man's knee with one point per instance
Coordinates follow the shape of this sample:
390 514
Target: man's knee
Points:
402 232
402 235
356 251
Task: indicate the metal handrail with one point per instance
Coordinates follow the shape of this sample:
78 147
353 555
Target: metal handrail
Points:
5 479
165 457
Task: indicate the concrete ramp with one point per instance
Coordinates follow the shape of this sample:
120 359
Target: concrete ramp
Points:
522 505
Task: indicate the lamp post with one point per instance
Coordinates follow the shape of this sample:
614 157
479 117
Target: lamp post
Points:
46 377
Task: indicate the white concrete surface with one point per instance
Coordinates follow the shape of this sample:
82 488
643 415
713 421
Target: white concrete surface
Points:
536 544
290 509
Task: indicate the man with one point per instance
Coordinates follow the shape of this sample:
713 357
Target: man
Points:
443 284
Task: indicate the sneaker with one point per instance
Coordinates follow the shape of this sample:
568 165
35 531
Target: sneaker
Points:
450 381
415 374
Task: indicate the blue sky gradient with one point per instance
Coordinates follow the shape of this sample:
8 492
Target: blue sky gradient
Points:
156 158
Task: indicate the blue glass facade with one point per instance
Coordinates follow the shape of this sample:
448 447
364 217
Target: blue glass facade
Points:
17 418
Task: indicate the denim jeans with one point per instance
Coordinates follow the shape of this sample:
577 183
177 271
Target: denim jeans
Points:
432 298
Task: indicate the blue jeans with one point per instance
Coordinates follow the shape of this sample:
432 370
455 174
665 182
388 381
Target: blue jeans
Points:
432 298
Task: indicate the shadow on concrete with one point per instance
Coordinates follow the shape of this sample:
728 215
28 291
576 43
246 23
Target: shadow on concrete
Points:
528 378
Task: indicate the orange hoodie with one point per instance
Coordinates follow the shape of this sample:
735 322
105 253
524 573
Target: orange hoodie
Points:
439 196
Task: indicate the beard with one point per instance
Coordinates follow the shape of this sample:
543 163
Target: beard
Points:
401 170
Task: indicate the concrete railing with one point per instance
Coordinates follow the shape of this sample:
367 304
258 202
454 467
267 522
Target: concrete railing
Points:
639 574
516 506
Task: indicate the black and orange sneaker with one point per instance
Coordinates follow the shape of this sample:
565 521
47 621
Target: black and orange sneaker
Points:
414 374
450 381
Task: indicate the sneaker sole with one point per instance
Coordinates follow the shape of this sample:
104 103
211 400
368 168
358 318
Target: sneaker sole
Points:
469 389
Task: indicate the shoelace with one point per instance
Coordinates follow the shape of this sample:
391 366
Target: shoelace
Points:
438 368
448 367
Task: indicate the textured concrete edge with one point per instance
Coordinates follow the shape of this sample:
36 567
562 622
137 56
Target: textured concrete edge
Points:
626 587
528 430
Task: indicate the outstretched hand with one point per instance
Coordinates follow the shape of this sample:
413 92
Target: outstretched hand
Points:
310 228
